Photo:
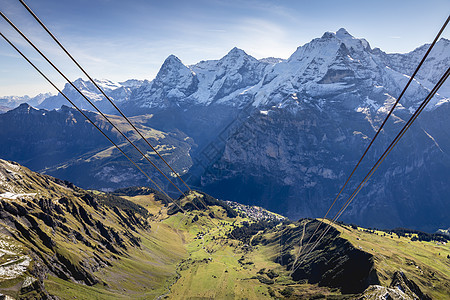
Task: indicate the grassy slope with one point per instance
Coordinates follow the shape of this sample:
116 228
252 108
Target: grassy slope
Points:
173 262
223 277
426 263
223 269
141 274
212 269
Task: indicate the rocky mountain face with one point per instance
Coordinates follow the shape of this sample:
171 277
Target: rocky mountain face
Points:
285 134
312 117
303 160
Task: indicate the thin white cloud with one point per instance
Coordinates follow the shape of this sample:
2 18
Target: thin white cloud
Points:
262 38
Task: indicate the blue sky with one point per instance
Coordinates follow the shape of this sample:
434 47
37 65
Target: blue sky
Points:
120 40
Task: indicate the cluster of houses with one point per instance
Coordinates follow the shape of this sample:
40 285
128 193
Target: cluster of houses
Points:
254 212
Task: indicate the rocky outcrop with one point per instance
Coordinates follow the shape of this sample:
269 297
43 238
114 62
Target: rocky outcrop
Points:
334 262
409 287
401 288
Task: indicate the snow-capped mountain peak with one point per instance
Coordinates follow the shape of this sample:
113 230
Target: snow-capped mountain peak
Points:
350 41
173 72
324 48
235 52
174 82
339 64
172 62
87 85
10 102
235 59
79 83
342 32
334 64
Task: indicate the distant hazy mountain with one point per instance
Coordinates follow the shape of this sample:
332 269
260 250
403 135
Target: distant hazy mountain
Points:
10 102
119 92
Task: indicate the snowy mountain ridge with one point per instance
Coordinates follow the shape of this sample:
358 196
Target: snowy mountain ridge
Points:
336 65
118 91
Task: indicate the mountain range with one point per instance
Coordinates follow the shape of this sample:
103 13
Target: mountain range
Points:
336 63
11 102
285 134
